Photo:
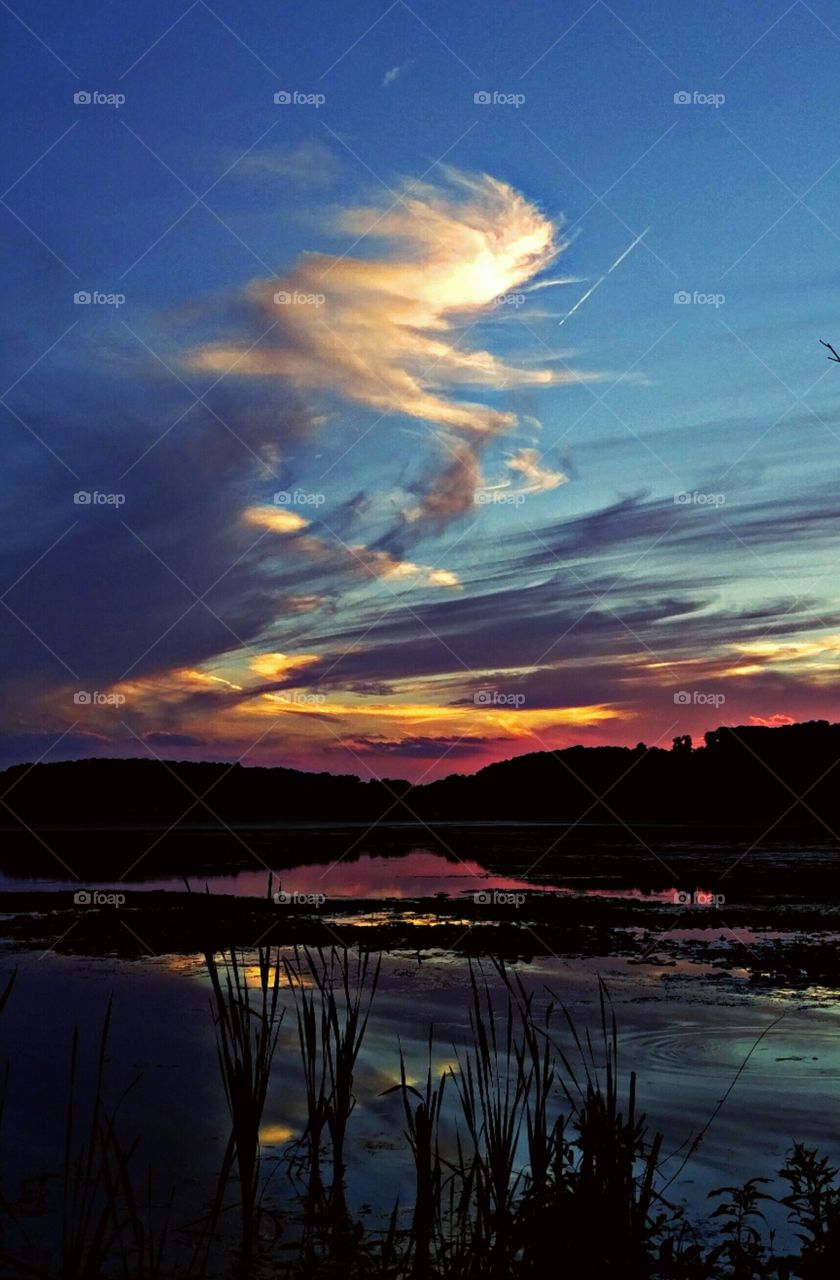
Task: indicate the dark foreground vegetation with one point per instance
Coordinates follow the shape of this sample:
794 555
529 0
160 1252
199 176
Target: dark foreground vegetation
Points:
554 1170
747 774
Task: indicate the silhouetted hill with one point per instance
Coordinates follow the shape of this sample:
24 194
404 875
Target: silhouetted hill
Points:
742 775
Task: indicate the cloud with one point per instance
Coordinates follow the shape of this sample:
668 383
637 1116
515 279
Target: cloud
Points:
381 564
448 493
274 519
280 666
355 557
385 331
391 75
304 604
382 334
163 739
418 747
537 478
309 164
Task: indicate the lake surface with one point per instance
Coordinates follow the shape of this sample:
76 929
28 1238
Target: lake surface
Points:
686 1030
420 873
697 1031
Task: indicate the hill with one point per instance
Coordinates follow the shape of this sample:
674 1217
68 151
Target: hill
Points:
741 775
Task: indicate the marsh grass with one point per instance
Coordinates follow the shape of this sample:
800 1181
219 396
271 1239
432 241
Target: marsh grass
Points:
101 1230
422 1111
247 1017
530 1153
333 993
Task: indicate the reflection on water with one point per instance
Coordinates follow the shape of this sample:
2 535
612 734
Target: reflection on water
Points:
685 1030
421 873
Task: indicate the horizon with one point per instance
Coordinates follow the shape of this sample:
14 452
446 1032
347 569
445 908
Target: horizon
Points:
26 765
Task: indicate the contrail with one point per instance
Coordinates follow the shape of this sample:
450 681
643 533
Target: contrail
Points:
581 301
629 249
602 278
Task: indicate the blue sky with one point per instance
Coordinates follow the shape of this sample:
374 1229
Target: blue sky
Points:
581 596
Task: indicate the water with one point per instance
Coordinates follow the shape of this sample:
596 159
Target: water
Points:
698 1035
682 1029
420 873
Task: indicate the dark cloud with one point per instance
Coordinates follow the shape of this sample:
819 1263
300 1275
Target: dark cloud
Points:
419 748
163 739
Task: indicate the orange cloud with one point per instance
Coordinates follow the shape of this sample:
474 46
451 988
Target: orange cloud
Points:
376 330
356 557
537 479
275 519
279 666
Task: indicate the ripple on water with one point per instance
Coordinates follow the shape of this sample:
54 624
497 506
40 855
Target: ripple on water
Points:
701 1049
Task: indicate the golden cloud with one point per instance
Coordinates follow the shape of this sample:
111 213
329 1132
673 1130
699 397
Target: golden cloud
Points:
377 331
275 519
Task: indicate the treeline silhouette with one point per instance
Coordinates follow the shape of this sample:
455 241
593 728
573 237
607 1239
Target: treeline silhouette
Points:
741 775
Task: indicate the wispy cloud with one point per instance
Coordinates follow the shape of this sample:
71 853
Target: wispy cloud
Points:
386 331
311 164
392 74
381 331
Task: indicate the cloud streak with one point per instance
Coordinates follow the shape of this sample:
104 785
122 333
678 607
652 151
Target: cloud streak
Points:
388 331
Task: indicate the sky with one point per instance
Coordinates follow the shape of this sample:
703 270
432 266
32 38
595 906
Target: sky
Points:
391 389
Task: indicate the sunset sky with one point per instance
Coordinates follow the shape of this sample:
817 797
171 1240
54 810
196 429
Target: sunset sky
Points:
372 493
